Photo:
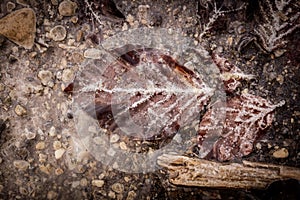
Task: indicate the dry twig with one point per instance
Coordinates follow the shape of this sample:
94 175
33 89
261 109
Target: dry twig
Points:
198 172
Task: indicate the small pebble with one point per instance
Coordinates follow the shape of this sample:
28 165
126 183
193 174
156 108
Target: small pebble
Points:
54 2
281 153
93 53
59 171
21 164
20 110
40 145
45 76
51 195
123 146
29 134
23 191
258 146
67 75
59 153
10 6
131 195
111 194
127 179
118 188
83 182
52 131
56 145
98 183
75 184
280 79
67 8
45 168
58 33
114 138
42 158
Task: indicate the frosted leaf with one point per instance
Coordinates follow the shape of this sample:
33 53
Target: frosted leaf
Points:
149 94
149 87
230 73
246 116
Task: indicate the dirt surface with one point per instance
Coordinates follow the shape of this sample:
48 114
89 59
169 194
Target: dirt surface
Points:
39 158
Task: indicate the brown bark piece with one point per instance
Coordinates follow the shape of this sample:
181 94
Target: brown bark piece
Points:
187 171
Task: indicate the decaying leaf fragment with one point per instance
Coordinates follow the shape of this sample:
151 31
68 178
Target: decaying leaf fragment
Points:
246 116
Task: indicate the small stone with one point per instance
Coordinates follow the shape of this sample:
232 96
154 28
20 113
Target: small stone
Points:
79 36
58 33
59 153
93 53
114 138
279 52
111 194
98 183
2 87
19 27
75 184
42 158
29 134
40 145
118 188
101 176
131 195
130 19
10 6
67 75
45 76
67 8
281 153
258 146
74 19
127 179
45 168
59 171
280 79
83 182
54 2
52 131
123 146
21 164
51 195
56 145
20 110
23 191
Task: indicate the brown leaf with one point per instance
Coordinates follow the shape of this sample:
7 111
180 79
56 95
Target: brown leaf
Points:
149 94
246 116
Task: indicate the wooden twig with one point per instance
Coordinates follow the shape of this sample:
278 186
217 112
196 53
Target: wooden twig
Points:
203 173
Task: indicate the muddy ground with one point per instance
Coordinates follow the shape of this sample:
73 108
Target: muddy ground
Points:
38 157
